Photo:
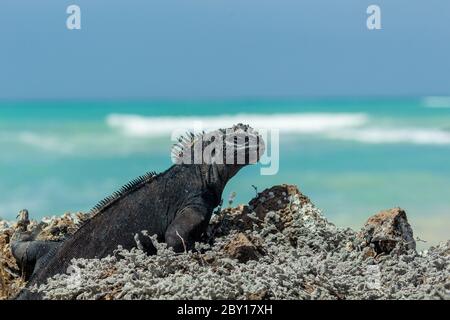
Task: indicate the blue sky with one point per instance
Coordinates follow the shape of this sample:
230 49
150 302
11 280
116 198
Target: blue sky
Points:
223 48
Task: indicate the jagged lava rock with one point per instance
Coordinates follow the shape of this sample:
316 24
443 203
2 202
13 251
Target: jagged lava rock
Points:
242 249
305 257
278 198
387 229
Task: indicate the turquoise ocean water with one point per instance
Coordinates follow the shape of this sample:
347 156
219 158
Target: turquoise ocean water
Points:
353 157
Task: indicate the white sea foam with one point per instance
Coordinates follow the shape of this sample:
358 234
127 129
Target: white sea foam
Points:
139 126
45 142
82 143
436 102
340 126
389 135
135 131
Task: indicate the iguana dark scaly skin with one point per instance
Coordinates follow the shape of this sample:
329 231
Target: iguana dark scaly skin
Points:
176 205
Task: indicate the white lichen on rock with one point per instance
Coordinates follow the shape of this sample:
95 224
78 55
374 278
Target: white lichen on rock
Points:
281 248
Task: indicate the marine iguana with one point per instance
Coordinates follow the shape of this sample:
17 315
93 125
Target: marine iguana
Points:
176 205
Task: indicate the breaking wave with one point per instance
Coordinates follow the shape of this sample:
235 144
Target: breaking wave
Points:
387 135
45 142
335 126
136 134
139 126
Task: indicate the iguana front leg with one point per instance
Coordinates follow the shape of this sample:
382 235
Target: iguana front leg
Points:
187 227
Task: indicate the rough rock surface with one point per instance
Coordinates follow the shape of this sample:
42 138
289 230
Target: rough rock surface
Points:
242 248
387 230
278 247
10 281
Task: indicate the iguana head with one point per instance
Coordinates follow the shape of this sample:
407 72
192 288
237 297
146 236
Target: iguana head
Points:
221 153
